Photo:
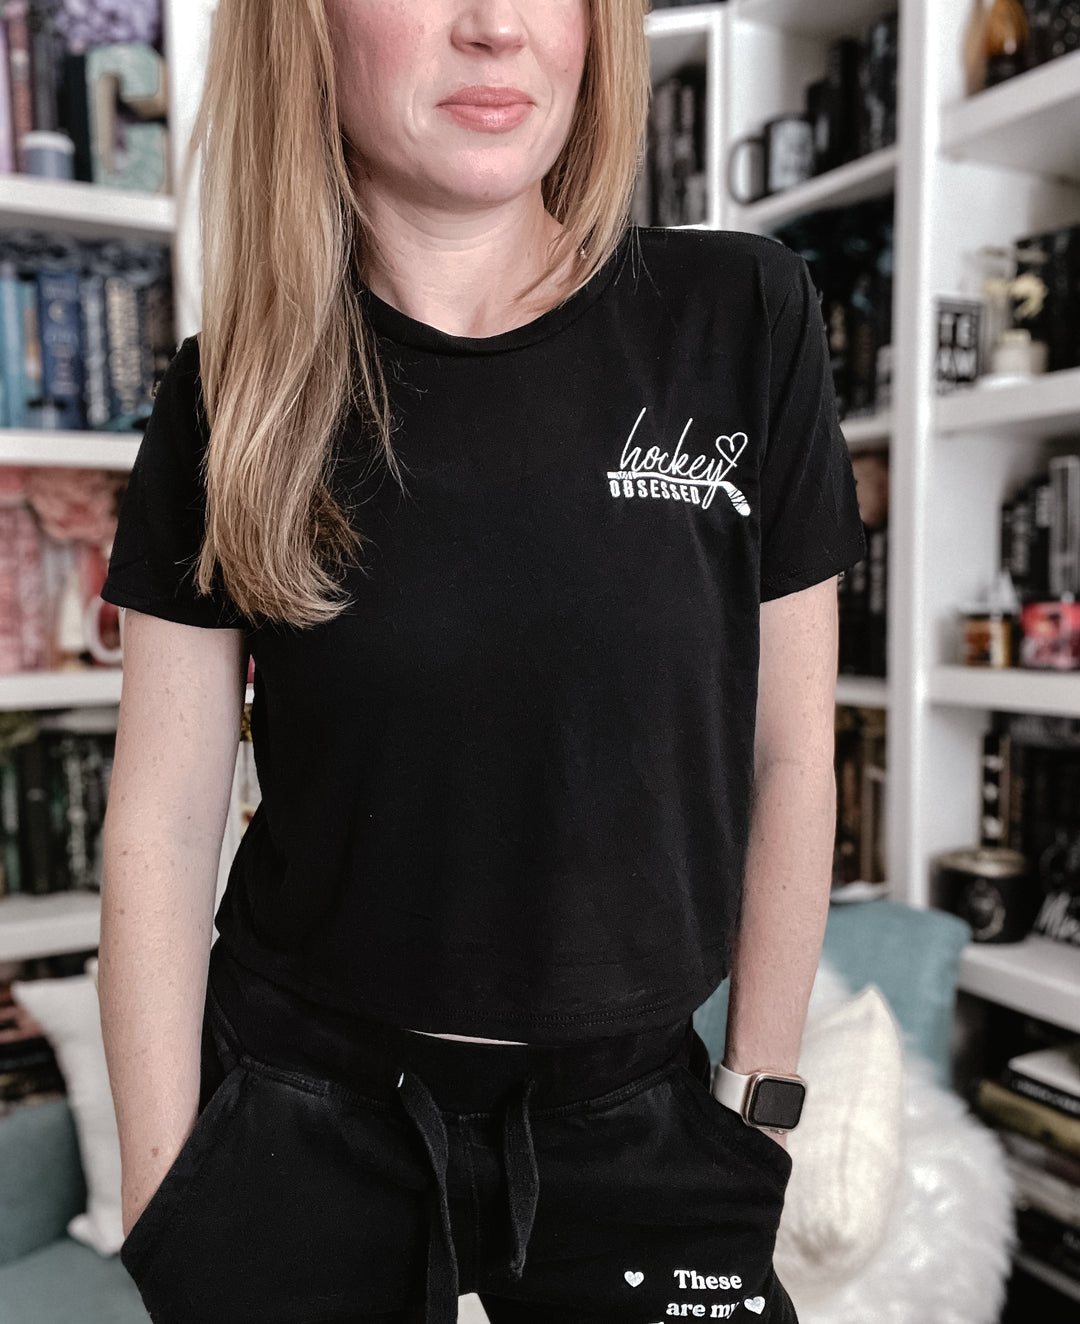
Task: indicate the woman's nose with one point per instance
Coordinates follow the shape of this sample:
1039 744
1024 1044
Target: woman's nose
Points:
490 27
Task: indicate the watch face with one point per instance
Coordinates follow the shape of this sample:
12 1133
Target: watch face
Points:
776 1103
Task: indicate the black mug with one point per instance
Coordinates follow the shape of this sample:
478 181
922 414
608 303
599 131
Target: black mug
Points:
781 156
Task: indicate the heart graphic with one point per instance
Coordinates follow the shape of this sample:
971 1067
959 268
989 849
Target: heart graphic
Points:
634 1278
755 1303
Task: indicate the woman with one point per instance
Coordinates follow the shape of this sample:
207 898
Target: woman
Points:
531 522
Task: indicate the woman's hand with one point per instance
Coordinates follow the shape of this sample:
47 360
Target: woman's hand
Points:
779 1136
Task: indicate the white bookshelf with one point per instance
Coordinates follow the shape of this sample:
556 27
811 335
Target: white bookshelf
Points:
1012 691
88 687
95 450
87 211
966 172
870 177
1037 976
862 692
694 35
49 925
872 430
1030 123
824 18
69 921
1044 407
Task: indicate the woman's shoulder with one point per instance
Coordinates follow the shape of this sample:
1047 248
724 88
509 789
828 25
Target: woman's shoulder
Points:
186 358
690 245
722 263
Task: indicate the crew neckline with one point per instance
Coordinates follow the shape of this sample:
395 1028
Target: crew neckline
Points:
398 327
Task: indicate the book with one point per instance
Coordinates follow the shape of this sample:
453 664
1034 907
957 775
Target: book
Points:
1036 1154
1064 521
1049 1239
1005 1107
86 330
995 765
675 188
7 131
15 17
1041 1190
877 78
842 73
858 854
61 345
1048 1075
1043 814
849 252
877 601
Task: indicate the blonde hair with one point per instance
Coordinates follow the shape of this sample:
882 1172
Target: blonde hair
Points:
287 360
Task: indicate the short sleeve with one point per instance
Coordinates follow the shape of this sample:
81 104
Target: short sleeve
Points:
162 514
810 524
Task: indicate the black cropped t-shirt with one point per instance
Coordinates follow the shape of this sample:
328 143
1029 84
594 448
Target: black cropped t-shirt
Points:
506 793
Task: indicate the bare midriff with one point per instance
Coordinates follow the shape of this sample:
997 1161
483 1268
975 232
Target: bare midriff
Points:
466 1039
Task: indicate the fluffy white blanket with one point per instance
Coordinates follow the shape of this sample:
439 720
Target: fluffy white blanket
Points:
949 1229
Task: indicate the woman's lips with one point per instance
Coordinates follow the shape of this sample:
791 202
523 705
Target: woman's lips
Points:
488 109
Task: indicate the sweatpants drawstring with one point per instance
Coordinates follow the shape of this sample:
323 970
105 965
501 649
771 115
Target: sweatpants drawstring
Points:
522 1174
522 1182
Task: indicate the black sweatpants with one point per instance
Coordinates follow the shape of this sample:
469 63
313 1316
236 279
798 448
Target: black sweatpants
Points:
342 1169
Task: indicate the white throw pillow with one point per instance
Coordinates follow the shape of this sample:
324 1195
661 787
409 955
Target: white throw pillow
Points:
846 1151
67 1011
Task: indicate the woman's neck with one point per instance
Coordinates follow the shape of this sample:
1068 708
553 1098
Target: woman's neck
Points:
461 274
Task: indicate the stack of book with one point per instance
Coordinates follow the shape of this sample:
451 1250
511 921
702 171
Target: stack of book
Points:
1031 803
1035 1106
863 591
1040 533
54 785
1052 258
673 187
859 851
86 331
853 108
84 87
849 251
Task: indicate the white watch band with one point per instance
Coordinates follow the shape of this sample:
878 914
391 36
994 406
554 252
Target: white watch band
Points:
730 1088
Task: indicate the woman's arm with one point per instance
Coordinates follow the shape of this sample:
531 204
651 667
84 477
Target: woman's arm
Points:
176 745
788 870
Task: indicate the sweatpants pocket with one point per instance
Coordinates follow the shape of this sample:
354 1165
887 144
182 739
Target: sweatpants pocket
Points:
308 1203
651 1207
723 1128
169 1201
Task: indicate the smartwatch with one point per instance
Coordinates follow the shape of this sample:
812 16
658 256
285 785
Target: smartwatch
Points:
763 1099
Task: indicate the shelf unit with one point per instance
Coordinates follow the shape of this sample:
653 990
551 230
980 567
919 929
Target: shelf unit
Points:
87 211
70 921
1036 976
870 177
1033 120
966 172
863 692
1046 407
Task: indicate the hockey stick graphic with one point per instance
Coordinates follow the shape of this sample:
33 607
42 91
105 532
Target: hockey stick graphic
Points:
737 499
